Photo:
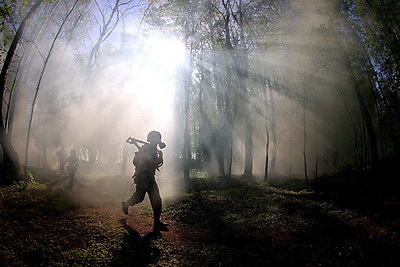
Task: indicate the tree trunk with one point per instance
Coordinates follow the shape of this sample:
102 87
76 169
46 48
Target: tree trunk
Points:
11 102
273 126
22 73
230 113
45 164
267 133
40 81
366 116
186 140
221 129
316 136
241 66
290 145
187 84
304 131
11 163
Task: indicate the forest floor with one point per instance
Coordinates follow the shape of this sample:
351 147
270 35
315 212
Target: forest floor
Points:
352 219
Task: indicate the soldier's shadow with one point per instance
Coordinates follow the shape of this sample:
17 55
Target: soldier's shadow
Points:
135 249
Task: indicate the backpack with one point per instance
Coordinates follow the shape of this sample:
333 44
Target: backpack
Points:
141 157
137 158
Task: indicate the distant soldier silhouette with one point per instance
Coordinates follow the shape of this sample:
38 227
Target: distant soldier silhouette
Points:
62 157
147 160
72 167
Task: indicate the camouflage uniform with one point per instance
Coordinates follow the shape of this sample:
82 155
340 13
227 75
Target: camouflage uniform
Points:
72 166
147 160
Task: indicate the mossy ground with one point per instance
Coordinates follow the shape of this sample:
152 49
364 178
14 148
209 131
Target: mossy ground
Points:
346 220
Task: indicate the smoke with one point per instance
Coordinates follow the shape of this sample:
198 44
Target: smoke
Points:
133 90
298 90
306 104
129 93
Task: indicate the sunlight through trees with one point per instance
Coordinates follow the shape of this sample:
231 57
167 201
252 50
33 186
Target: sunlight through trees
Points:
252 88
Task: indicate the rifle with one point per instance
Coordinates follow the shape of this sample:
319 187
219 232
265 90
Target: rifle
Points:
134 141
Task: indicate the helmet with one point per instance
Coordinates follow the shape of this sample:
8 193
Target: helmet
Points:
154 137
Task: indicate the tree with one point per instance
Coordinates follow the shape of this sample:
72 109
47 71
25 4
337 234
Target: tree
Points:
11 163
107 16
68 12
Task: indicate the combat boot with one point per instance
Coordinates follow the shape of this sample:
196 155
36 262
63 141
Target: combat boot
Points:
125 207
160 226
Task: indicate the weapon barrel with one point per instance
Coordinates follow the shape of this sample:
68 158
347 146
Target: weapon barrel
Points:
132 140
139 141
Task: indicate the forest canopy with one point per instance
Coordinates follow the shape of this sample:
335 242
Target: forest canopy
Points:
236 87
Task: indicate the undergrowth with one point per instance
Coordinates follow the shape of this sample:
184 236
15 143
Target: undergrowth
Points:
42 226
229 221
282 223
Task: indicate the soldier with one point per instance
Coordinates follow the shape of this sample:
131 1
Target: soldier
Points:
62 156
72 166
146 161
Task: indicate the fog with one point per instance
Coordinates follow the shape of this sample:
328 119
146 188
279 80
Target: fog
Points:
136 87
131 95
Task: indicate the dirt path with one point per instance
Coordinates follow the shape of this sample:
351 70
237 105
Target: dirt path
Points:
143 224
264 226
105 195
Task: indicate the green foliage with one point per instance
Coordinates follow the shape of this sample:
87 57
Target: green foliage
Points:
54 202
279 223
11 11
223 223
6 10
94 254
30 178
42 226
33 194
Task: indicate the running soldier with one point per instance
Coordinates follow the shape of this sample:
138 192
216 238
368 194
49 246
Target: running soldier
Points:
147 160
